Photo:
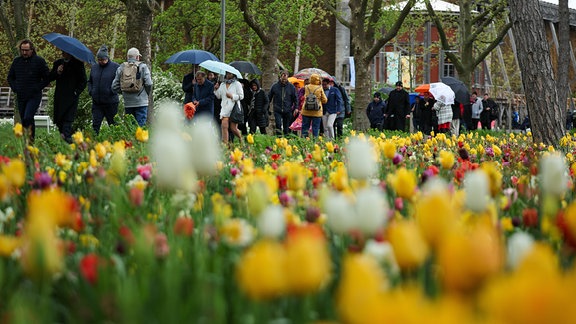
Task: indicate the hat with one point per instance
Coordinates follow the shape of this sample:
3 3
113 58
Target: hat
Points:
377 95
133 52
399 83
102 52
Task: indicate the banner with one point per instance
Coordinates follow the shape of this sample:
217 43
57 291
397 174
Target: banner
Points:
352 73
392 67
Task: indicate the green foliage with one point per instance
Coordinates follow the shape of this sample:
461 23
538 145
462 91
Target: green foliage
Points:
166 87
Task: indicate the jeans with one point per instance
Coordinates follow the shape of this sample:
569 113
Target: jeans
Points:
283 121
315 121
139 113
27 108
101 111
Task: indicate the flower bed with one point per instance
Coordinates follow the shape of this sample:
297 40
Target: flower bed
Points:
168 226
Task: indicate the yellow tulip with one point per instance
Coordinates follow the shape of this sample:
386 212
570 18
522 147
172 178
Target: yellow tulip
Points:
18 130
141 135
409 246
308 264
250 139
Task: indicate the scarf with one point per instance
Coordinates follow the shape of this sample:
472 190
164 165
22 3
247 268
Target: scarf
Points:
230 81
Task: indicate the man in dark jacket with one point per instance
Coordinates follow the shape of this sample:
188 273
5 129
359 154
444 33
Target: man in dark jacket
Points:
27 77
70 77
398 109
488 113
188 83
104 100
375 111
203 95
284 99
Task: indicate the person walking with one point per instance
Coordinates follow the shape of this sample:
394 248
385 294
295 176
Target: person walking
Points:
444 114
488 112
428 120
283 97
375 112
188 83
231 92
312 114
331 108
398 105
457 110
28 75
134 81
104 100
203 95
258 111
476 110
70 77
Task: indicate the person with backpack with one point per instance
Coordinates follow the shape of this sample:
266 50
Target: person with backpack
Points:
104 100
314 98
134 81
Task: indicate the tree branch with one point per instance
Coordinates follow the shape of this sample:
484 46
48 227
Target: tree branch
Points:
392 32
493 44
336 13
251 21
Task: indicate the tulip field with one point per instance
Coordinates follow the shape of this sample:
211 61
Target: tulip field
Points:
167 225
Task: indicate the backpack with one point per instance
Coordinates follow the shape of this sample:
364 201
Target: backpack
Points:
131 80
311 102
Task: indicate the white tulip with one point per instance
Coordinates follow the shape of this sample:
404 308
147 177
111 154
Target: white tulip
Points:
519 245
361 159
553 175
170 116
476 188
205 150
371 210
271 222
383 253
339 213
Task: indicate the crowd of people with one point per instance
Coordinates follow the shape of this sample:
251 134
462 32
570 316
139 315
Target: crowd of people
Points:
29 75
429 114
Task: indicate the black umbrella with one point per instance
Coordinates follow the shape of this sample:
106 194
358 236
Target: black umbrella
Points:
386 90
459 88
246 67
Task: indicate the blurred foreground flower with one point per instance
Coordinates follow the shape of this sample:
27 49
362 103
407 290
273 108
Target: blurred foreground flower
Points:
361 159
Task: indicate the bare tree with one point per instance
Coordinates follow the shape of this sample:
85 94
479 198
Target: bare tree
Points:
537 74
473 29
365 27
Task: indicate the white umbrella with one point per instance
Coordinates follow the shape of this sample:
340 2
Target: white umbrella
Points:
220 68
442 93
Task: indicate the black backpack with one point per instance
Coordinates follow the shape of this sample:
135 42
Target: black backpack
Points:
311 102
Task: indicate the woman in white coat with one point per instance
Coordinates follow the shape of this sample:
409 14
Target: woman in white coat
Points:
230 91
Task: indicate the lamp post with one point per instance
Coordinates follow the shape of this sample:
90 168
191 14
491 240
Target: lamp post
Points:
222 30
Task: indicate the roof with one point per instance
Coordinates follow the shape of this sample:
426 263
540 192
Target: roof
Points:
571 3
437 5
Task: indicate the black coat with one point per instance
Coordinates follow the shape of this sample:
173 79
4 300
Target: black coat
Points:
188 87
69 86
28 76
258 109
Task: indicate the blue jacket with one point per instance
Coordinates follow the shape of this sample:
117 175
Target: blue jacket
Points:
28 76
335 103
100 83
375 112
204 94
283 96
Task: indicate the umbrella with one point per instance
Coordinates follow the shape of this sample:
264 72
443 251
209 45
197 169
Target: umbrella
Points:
306 73
220 68
296 80
423 88
385 90
246 67
191 57
459 88
71 46
442 93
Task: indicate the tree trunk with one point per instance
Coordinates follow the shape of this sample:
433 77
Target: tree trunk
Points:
139 16
537 74
563 66
269 59
362 93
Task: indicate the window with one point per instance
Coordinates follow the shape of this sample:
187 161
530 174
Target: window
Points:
448 68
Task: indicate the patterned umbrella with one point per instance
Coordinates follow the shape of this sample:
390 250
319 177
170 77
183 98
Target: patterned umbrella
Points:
306 73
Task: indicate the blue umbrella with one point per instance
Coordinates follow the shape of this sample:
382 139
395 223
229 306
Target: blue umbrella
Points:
71 46
191 57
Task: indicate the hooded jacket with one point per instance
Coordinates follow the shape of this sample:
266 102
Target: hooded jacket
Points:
258 112
315 87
